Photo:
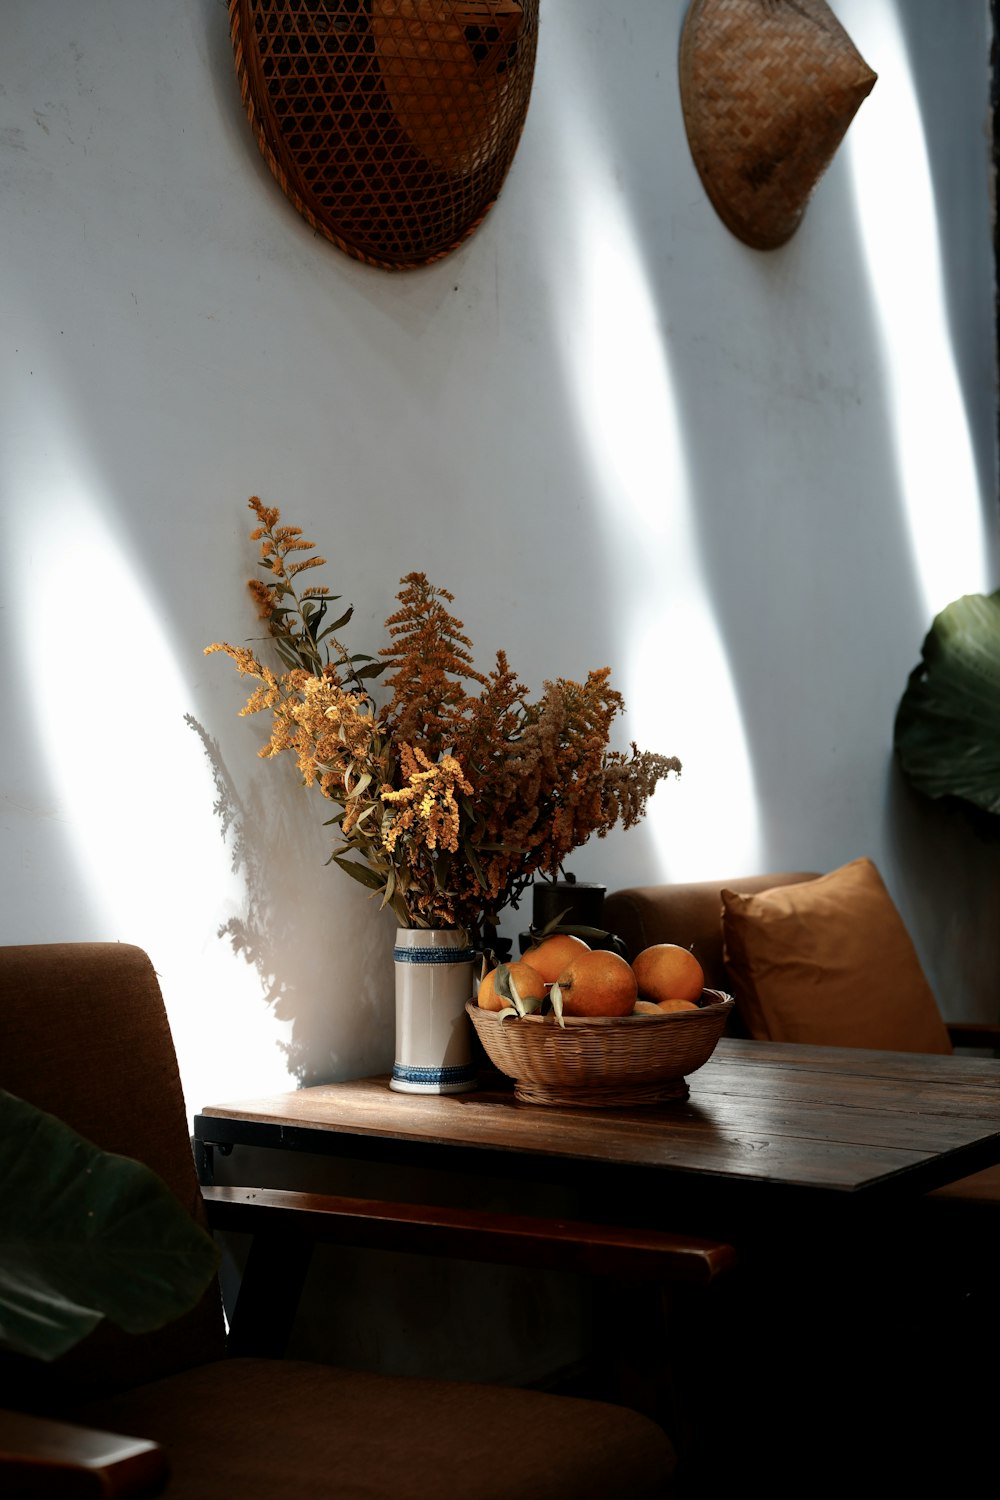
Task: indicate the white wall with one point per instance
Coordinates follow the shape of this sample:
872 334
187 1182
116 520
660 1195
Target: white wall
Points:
745 481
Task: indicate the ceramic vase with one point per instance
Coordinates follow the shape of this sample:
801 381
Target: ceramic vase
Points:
434 1039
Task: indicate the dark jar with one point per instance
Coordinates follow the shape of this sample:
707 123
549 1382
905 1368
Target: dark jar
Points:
570 904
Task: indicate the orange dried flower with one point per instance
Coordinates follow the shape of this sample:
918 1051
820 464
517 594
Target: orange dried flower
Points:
456 791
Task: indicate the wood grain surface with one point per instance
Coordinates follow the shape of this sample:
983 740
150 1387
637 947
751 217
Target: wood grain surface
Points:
808 1117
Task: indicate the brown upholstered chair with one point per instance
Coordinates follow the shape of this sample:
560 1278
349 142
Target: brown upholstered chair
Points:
84 1036
691 913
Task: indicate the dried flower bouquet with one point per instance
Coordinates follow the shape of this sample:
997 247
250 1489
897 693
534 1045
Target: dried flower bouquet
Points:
453 791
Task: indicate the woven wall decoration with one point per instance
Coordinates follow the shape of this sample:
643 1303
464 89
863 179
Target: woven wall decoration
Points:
390 124
768 89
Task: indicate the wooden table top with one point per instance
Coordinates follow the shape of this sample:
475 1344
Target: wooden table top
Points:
844 1120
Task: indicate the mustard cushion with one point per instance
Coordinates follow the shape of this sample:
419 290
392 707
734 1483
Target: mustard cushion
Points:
829 961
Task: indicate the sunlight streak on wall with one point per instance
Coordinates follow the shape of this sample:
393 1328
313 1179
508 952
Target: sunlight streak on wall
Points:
131 782
898 224
675 677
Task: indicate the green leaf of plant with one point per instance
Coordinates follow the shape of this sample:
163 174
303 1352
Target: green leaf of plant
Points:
362 873
947 727
288 653
470 855
85 1235
576 929
553 924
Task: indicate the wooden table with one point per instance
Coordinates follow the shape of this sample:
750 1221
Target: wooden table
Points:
764 1121
813 1161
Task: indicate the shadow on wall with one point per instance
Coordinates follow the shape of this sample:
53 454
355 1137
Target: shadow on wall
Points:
937 38
295 967
768 390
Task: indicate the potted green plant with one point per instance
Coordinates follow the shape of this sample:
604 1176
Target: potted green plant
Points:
85 1235
947 727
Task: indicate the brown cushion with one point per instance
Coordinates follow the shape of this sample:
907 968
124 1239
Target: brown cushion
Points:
979 1189
256 1429
830 962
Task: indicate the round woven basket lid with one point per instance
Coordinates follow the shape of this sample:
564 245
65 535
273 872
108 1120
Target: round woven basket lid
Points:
768 89
389 124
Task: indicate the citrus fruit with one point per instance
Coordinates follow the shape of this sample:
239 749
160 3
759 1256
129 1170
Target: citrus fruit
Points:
677 1005
666 971
521 979
596 982
487 997
553 953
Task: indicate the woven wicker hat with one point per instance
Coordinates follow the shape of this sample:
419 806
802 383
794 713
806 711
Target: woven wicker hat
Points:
768 89
389 124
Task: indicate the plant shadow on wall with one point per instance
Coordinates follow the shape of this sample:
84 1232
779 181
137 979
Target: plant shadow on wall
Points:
265 833
452 791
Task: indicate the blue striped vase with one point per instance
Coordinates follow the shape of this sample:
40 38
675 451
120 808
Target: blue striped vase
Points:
434 968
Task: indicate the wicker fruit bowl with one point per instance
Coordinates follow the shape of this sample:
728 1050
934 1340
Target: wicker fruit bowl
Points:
603 1060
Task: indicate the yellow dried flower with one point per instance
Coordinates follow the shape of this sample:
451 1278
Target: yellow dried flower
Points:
265 598
427 801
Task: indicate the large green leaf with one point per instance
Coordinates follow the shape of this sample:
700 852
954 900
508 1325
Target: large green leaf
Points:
84 1235
947 730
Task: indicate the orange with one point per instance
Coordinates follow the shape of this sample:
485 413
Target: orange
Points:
553 953
595 983
487 998
666 971
522 978
678 1005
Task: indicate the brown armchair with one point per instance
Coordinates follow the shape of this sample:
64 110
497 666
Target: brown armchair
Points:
84 1036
